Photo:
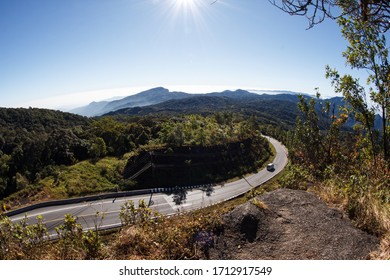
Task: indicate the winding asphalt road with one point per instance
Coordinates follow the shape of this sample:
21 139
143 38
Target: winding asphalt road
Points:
161 200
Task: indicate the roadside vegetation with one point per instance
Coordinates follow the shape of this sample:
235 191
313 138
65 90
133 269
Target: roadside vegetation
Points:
145 234
340 167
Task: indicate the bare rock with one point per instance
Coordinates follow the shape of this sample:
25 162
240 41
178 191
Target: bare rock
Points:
290 224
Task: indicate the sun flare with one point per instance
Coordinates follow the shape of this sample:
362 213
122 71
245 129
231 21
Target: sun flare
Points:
185 2
189 17
188 10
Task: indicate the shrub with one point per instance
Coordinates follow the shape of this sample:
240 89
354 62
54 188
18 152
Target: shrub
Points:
21 240
296 177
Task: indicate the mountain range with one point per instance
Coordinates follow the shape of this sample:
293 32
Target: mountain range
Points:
160 95
145 98
272 107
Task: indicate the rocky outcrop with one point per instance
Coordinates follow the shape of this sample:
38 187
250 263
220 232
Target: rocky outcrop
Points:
290 224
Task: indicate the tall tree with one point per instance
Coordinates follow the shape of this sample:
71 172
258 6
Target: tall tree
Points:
363 24
367 50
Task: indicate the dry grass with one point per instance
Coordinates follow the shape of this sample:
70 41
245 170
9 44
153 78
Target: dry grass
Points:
383 253
170 238
258 203
133 243
367 210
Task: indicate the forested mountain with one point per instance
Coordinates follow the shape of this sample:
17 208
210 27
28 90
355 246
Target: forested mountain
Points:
31 139
268 110
278 109
41 119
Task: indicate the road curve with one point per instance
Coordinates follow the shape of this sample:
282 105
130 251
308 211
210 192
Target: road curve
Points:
195 197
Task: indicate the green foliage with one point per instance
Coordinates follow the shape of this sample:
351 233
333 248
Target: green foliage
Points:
45 151
196 149
31 150
355 173
307 132
142 215
315 142
74 243
25 240
296 177
34 141
355 95
20 181
21 240
69 158
367 50
85 178
70 235
220 128
122 136
92 244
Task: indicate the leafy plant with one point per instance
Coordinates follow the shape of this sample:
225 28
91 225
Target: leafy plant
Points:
296 177
70 235
141 215
21 240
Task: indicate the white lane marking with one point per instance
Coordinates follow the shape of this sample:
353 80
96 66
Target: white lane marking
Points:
47 212
171 203
84 216
86 204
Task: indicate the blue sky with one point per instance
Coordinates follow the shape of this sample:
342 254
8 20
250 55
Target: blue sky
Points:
69 52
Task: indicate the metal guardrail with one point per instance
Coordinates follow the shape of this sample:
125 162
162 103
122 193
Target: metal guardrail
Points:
76 200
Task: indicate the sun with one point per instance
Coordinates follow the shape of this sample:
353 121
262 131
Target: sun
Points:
189 9
186 2
188 16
